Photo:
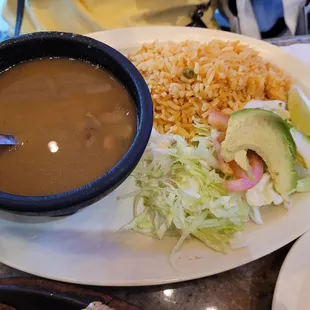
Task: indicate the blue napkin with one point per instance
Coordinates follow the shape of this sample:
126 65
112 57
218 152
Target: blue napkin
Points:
260 15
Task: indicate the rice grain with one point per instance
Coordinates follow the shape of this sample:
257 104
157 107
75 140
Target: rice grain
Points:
226 76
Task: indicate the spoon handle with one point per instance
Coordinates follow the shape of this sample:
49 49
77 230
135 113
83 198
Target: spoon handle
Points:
7 140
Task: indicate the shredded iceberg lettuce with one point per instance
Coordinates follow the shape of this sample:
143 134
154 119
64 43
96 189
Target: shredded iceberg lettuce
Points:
262 194
181 193
275 106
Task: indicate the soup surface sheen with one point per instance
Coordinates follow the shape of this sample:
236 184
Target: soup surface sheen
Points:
74 122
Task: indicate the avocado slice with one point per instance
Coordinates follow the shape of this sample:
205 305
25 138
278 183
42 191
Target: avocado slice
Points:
267 134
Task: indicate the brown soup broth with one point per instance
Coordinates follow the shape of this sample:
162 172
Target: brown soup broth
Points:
74 122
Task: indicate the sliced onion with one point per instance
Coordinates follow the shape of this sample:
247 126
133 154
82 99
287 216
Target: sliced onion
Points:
237 170
218 120
224 166
244 182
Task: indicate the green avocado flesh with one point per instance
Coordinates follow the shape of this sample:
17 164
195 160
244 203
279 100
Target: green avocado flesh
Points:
267 134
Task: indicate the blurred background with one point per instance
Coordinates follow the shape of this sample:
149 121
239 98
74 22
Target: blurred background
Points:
263 19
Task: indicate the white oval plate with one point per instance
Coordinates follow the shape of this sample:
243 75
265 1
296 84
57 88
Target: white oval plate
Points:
293 285
88 248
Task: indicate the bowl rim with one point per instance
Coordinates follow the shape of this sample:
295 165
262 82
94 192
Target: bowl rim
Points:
67 200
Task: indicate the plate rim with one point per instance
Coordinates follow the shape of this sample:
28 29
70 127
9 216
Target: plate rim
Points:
286 263
188 30
150 282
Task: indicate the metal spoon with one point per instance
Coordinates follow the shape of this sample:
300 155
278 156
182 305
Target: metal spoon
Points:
8 140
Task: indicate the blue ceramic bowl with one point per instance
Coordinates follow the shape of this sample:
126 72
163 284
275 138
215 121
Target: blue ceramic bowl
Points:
55 44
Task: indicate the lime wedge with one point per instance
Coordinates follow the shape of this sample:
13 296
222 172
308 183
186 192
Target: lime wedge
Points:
299 107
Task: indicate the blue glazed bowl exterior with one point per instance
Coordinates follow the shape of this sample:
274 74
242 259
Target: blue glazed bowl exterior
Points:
55 44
